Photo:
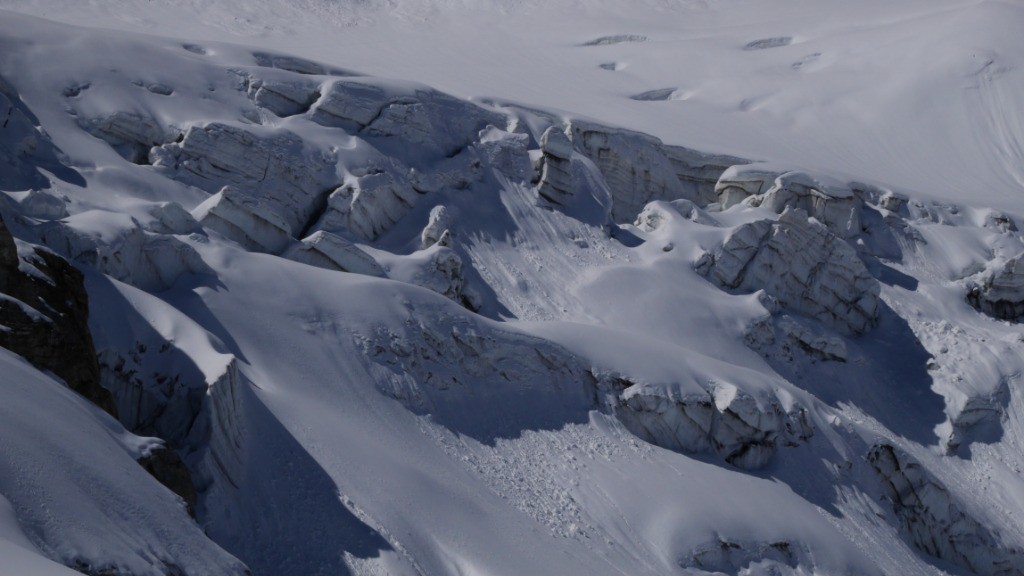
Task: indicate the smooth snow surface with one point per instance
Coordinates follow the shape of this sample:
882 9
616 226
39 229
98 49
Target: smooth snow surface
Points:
519 287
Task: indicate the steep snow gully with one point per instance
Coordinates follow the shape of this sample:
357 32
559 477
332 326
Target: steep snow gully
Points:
267 315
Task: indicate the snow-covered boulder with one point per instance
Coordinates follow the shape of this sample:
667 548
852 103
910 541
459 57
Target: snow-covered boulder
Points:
1000 293
330 251
806 267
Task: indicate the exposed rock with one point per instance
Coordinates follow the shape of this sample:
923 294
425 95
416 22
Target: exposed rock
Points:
1001 293
44 313
370 204
130 134
802 264
556 184
439 222
330 251
935 523
167 467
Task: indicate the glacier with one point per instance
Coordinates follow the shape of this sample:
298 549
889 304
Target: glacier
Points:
511 287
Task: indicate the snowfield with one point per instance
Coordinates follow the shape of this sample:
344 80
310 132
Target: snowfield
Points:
511 287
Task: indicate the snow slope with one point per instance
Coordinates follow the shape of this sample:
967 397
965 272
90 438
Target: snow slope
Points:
394 331
918 95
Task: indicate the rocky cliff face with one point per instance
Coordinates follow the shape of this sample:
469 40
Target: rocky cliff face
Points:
44 314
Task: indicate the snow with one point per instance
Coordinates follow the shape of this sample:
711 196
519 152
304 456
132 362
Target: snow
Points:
71 482
512 287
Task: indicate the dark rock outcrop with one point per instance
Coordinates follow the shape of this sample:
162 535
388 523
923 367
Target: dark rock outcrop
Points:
44 313
167 467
